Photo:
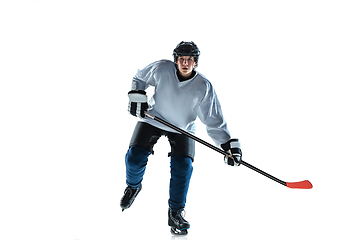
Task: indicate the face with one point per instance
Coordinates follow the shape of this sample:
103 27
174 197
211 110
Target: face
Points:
185 65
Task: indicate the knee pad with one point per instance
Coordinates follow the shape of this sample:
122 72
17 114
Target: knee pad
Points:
181 164
136 155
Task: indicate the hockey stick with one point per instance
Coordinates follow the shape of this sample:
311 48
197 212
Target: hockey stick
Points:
302 185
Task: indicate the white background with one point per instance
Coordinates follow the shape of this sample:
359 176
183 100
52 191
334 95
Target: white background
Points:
286 73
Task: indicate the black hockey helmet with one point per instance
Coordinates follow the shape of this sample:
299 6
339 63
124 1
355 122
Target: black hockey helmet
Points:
187 49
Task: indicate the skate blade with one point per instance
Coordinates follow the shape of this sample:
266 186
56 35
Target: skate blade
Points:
178 232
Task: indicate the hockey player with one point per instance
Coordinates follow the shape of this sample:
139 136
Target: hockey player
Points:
181 95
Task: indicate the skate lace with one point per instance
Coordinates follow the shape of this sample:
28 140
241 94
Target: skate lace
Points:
128 191
182 213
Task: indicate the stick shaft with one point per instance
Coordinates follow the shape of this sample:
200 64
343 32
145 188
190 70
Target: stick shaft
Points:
186 133
212 146
263 173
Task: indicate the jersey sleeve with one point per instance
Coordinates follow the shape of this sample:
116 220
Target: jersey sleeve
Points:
210 113
145 77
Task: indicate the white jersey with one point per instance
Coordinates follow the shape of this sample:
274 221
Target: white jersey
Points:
180 103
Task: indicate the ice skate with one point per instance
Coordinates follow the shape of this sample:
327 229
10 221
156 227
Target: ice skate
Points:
129 197
178 224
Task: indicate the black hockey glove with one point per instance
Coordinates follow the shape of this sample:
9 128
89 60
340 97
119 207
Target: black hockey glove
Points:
232 147
137 103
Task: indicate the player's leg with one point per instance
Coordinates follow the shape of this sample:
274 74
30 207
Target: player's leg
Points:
141 146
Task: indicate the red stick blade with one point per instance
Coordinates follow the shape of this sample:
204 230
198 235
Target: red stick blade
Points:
302 185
